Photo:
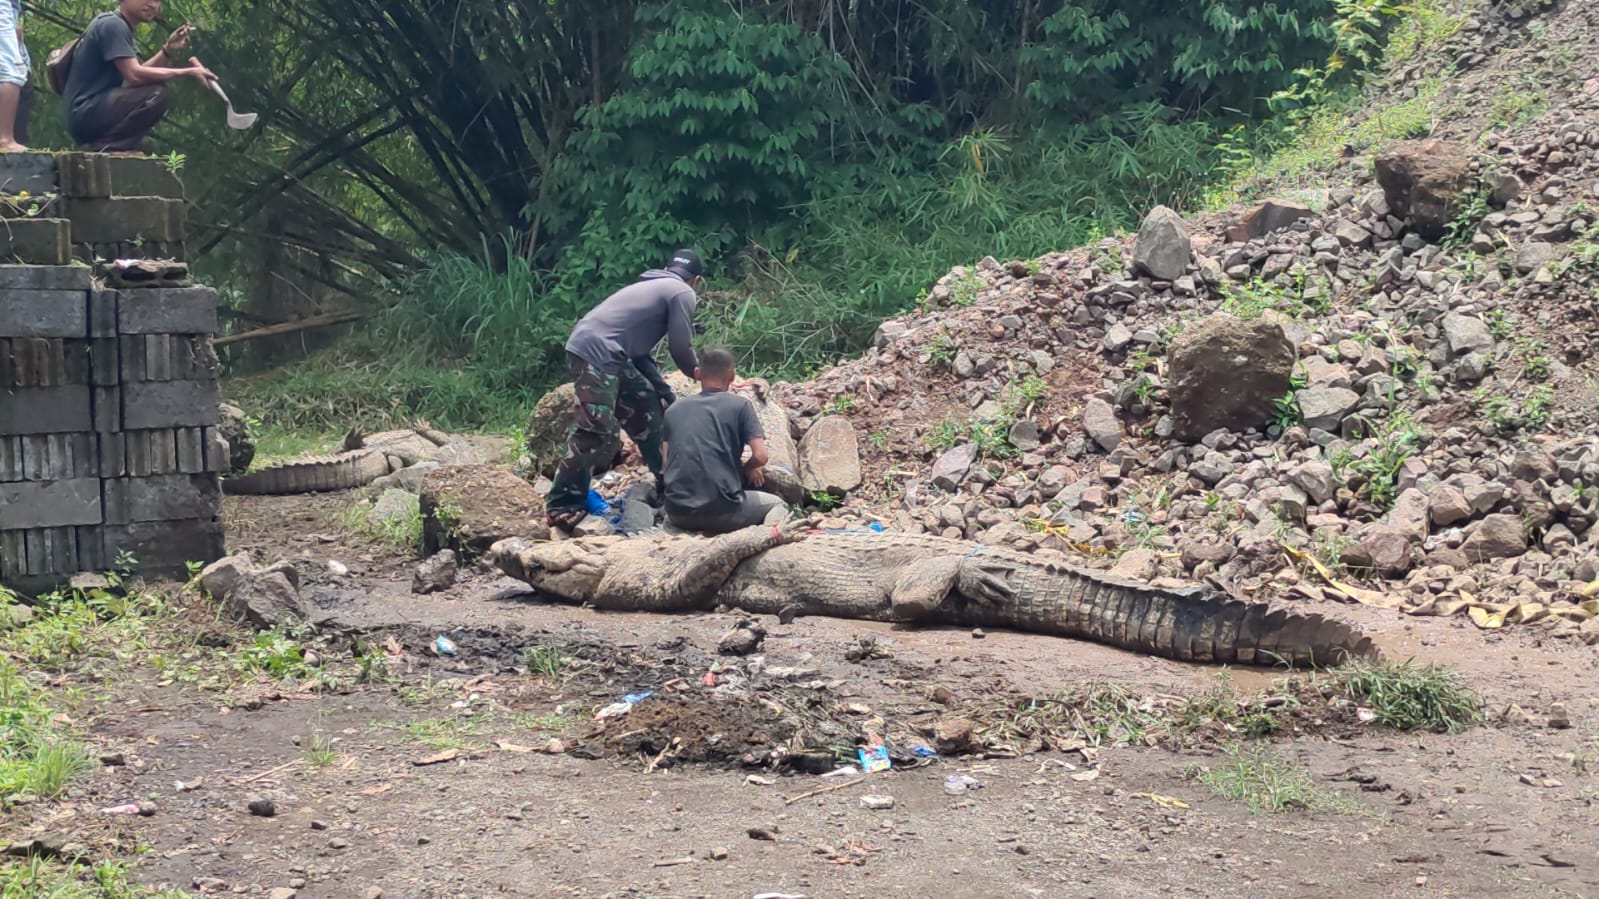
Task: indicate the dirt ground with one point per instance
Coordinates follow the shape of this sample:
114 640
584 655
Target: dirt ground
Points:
1503 809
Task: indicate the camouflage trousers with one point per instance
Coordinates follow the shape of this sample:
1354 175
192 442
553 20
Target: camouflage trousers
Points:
606 404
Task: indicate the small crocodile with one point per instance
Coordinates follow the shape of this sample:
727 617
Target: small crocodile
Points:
921 579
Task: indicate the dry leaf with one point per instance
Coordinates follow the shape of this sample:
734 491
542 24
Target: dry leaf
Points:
1162 801
511 747
448 755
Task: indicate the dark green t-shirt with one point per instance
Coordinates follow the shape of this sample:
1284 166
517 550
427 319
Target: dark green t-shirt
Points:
705 436
94 69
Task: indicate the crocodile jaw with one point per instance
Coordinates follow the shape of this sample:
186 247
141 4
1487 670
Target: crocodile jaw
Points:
571 569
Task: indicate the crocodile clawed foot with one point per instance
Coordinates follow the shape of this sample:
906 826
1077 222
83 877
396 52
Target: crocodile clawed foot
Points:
985 582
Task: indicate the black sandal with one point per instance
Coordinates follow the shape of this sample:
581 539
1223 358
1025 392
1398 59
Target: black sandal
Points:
565 520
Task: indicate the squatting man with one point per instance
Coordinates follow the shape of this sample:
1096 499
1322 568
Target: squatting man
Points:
618 386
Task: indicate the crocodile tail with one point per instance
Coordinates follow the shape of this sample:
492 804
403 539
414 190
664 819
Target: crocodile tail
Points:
339 471
1203 625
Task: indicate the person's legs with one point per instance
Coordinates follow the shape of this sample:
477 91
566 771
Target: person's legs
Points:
760 507
591 444
13 75
638 407
24 114
126 117
757 508
10 94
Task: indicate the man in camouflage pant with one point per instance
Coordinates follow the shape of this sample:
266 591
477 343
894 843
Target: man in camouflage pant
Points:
617 382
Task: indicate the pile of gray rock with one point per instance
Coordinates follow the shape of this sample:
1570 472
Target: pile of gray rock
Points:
1397 379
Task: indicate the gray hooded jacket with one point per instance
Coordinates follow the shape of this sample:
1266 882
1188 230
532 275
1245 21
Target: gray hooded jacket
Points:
627 325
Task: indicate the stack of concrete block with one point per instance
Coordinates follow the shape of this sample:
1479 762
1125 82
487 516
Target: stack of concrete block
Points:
108 397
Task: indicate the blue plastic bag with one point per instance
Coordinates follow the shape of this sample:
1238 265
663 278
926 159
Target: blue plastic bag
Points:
597 504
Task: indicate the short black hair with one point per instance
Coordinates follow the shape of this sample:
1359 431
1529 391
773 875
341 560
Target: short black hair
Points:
716 361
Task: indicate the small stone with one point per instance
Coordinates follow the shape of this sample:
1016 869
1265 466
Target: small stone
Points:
1500 536
951 467
1316 479
1117 338
1447 505
718 853
1388 549
113 759
1023 435
742 639
436 574
283 893
956 736
1466 334
1533 255
1099 421
763 833
978 634
262 807
1559 718
877 803
1137 564
1326 407
338 843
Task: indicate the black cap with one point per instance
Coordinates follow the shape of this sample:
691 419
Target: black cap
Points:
688 262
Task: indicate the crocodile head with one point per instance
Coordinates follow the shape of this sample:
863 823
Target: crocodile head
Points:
570 569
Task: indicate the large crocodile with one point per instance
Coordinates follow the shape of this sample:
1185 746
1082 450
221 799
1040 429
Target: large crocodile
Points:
363 460
921 579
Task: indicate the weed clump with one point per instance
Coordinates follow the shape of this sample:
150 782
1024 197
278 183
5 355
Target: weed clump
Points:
1265 781
1406 696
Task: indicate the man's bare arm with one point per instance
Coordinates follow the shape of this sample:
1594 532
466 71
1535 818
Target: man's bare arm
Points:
753 467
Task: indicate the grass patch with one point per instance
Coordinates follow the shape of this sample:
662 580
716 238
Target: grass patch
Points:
279 657
1406 696
319 750
38 757
277 444
39 879
444 733
399 527
1261 778
545 661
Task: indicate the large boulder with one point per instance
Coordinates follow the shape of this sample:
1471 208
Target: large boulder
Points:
1227 373
1429 182
547 428
1163 250
234 427
468 507
830 456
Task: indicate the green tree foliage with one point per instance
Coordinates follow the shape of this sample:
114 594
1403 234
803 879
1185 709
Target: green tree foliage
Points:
831 158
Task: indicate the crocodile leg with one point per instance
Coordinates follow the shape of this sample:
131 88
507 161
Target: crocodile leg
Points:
921 589
670 582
